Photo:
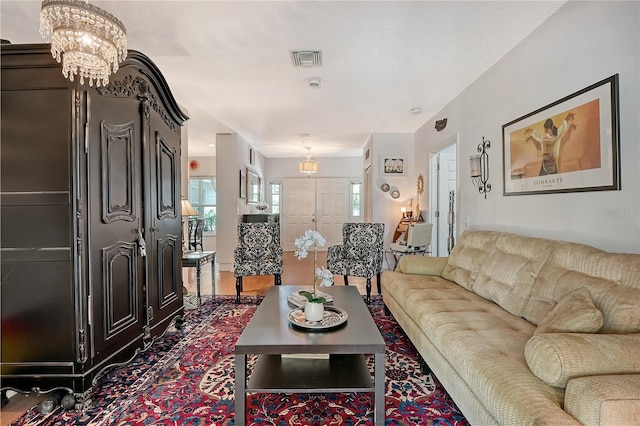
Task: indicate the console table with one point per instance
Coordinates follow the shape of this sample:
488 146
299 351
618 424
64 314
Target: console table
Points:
195 259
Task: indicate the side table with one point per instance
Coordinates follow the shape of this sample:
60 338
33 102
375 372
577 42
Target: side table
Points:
195 259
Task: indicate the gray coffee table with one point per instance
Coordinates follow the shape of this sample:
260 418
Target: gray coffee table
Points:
269 335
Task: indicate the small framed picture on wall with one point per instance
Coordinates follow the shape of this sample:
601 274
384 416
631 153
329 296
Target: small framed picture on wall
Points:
243 184
392 166
252 157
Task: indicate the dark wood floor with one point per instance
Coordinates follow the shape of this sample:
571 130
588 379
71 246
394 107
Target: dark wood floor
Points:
296 272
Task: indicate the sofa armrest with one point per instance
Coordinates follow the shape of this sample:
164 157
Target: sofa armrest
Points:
600 400
556 358
422 265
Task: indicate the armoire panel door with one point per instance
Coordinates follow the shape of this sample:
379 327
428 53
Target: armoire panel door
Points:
164 290
115 194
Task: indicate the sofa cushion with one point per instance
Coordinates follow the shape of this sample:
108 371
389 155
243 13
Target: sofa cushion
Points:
599 400
510 269
422 265
574 313
613 280
485 345
556 358
467 256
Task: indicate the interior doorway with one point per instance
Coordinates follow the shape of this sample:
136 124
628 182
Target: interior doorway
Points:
322 204
443 197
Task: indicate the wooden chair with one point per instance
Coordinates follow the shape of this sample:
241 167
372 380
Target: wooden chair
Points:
195 234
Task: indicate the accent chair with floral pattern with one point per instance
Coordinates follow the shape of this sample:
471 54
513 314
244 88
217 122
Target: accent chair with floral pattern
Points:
258 252
360 254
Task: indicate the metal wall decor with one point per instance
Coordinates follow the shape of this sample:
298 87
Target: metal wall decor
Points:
480 168
441 124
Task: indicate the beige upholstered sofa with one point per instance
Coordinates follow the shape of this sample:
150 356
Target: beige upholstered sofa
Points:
523 330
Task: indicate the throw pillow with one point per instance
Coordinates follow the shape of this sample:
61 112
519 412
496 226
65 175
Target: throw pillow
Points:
574 313
556 358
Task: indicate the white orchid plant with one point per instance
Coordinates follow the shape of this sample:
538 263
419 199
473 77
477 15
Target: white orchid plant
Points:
311 240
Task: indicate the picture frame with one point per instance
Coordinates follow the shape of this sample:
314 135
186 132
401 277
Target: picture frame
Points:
571 145
254 182
391 165
243 184
252 157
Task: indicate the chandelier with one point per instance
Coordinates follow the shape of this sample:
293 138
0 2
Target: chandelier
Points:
308 166
90 41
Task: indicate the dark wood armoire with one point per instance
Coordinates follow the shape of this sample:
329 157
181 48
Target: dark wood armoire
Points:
90 220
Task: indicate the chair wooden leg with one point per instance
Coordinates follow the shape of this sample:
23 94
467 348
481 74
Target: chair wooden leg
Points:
238 288
278 279
379 284
346 280
368 290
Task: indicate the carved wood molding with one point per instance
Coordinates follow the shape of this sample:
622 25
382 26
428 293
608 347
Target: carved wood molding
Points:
167 161
118 172
138 88
119 263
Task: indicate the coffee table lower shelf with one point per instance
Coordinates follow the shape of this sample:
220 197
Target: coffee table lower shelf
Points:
339 373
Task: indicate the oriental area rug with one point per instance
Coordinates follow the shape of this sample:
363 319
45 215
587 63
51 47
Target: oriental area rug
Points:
187 378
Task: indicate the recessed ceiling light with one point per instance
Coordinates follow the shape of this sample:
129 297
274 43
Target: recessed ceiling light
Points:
212 144
314 81
416 110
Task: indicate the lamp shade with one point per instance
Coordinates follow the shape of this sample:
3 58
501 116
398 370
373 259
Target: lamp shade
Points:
187 208
308 166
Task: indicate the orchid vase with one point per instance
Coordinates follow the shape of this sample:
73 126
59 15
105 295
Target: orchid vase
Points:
311 240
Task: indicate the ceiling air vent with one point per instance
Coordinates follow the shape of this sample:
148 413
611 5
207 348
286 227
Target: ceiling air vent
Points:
306 58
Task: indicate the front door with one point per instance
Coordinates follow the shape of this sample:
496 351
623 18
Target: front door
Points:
298 209
320 204
332 208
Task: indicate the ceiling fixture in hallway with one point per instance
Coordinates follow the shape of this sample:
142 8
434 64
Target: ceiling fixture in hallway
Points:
88 40
308 166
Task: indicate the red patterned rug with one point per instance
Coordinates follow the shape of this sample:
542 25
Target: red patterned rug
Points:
187 379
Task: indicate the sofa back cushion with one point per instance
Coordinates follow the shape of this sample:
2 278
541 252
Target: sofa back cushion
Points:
467 256
509 270
613 280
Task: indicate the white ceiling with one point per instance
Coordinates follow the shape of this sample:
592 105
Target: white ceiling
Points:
229 67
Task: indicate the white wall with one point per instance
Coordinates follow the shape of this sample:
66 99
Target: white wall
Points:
583 43
232 155
386 209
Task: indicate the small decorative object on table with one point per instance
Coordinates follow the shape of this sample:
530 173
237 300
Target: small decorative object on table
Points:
332 317
314 308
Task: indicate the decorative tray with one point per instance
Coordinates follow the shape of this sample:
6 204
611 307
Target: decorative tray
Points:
333 317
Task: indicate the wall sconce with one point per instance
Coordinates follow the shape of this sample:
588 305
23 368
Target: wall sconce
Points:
480 168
